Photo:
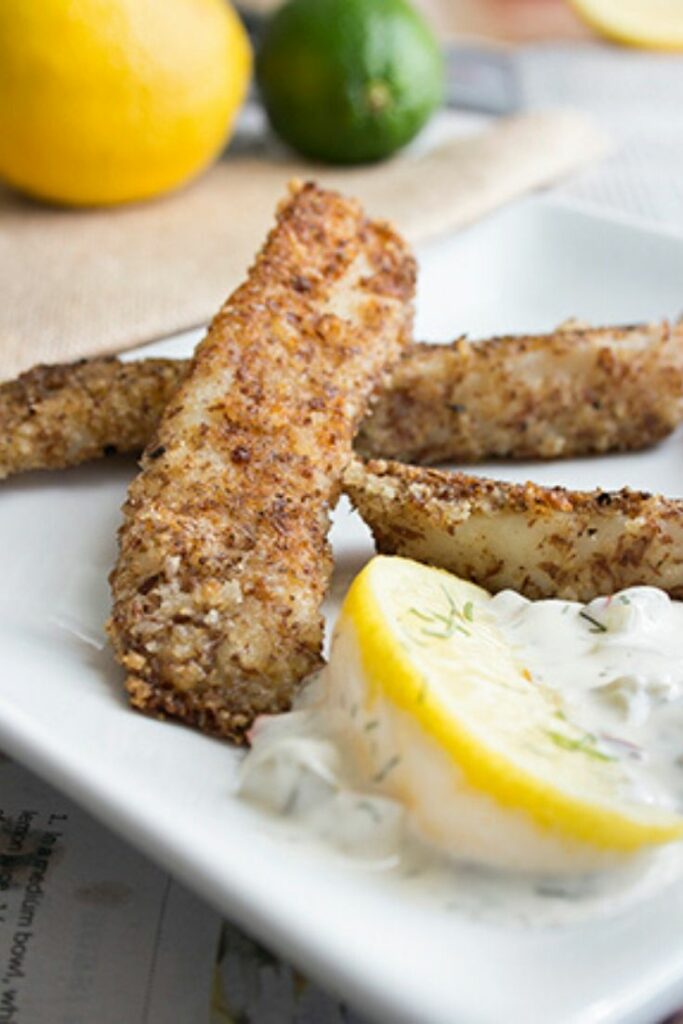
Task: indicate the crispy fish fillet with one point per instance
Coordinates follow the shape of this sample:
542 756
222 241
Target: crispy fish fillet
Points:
572 392
57 416
543 542
223 560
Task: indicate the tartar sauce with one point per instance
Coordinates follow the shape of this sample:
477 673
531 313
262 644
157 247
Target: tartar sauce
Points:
616 665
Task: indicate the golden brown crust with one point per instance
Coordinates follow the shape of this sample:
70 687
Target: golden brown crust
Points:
543 542
572 392
57 416
223 559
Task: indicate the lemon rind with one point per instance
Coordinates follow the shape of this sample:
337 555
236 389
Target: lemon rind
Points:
388 672
618 32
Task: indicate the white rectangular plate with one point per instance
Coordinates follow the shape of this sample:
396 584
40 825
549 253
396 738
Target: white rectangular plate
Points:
169 790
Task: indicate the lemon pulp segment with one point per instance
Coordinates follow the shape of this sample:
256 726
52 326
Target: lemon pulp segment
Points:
429 647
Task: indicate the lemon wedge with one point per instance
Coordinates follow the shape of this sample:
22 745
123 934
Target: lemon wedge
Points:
657 24
450 722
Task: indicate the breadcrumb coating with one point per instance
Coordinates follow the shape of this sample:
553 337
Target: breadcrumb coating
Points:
52 417
576 391
573 392
224 560
541 541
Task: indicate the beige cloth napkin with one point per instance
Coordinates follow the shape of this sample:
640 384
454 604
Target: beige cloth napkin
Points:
78 283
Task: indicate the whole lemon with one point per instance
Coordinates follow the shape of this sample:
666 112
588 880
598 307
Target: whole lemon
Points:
106 101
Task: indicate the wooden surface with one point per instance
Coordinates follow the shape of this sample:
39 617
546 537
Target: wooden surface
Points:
506 20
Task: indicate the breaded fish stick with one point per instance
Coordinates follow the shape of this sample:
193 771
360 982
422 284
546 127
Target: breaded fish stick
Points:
57 416
543 542
224 560
572 392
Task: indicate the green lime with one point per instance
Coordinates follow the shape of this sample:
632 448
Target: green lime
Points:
349 81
